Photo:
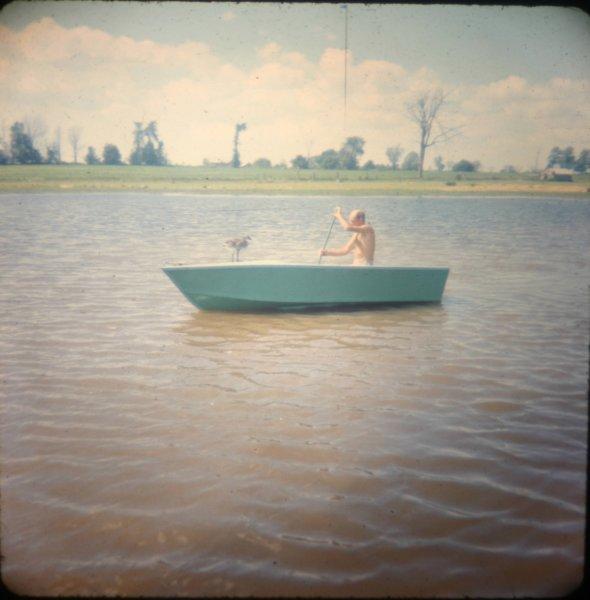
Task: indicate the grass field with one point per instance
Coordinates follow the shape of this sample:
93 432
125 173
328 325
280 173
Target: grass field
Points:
78 178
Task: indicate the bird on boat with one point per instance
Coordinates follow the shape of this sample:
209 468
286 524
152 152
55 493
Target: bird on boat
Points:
237 244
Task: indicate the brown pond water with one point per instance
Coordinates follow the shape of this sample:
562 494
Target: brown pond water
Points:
151 449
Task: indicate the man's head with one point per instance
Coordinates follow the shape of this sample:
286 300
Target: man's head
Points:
357 217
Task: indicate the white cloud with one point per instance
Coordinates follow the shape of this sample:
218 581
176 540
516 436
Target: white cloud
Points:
270 51
86 77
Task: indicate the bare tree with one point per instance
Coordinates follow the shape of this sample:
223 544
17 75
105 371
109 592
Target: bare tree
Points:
74 135
54 149
393 154
424 111
4 143
35 128
57 142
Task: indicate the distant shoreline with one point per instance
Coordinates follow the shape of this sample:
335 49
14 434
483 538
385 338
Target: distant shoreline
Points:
279 181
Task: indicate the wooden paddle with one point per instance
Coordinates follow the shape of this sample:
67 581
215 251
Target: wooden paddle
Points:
327 238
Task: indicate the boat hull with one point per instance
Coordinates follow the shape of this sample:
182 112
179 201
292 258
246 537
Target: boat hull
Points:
263 287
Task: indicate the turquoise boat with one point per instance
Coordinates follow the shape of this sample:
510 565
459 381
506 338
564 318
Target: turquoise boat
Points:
290 287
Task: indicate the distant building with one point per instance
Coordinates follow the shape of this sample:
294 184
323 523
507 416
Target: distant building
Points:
557 174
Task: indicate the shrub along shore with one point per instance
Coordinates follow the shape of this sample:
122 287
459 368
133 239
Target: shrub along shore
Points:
246 180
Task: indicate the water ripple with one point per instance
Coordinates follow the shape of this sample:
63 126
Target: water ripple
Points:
149 448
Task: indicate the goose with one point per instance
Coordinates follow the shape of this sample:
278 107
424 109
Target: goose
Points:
237 244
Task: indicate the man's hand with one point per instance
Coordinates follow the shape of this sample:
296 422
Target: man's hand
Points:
323 252
337 212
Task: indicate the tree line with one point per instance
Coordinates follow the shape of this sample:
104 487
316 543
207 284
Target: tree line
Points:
148 148
424 111
353 148
566 159
20 148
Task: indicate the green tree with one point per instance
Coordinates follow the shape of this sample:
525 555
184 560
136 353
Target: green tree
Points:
91 157
136 156
158 145
235 161
4 143
394 153
508 169
465 166
328 159
21 146
350 152
148 148
568 158
439 163
111 155
369 166
262 163
300 162
150 155
583 162
554 158
4 158
56 146
565 158
411 162
53 151
53 155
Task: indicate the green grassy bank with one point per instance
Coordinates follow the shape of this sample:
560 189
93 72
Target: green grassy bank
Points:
81 178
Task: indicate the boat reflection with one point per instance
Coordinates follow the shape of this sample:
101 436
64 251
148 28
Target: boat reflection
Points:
202 325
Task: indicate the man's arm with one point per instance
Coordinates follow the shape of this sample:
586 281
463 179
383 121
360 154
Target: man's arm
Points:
347 226
340 251
341 219
358 228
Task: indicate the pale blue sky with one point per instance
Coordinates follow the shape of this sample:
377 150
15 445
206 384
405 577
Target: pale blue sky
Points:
462 44
518 77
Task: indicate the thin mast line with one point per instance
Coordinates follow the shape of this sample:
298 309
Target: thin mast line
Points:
345 61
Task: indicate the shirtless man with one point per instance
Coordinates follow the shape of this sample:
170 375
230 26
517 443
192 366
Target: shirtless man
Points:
362 242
